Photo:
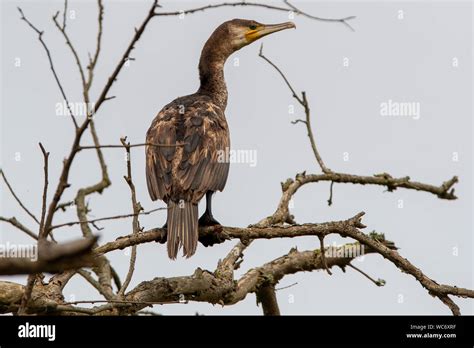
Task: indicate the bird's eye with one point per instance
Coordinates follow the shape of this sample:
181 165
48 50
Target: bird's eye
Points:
253 27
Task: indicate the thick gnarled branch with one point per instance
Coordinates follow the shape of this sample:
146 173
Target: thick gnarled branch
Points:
209 236
291 186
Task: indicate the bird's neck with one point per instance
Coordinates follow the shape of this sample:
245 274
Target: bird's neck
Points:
211 73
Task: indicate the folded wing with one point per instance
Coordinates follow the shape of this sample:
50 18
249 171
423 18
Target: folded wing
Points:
190 158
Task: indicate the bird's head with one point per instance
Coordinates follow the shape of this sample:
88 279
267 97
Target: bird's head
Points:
242 32
237 33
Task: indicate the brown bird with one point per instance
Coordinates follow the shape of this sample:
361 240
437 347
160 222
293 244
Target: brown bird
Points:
195 128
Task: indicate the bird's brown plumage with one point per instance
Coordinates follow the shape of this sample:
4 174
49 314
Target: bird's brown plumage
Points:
196 131
183 174
187 171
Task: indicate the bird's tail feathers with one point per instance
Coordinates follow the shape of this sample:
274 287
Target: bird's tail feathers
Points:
182 225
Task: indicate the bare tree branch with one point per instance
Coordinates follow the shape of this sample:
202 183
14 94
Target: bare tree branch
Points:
32 278
45 187
289 8
330 193
88 276
64 15
131 146
2 173
210 287
51 65
346 228
435 289
303 101
218 234
103 269
13 221
93 61
115 217
63 178
323 257
137 208
378 282
290 187
282 214
340 20
62 30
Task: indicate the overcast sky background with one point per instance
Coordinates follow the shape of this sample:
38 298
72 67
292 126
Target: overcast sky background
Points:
403 60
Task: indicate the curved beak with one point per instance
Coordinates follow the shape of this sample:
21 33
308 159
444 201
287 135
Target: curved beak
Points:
266 29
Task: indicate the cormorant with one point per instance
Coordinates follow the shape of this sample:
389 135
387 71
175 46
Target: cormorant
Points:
181 175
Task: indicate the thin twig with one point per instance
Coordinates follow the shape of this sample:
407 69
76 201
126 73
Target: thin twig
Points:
290 8
131 146
303 101
51 65
116 277
63 206
123 302
378 282
340 20
116 217
286 287
64 15
88 276
137 208
93 61
45 188
288 84
41 237
72 48
323 255
309 129
330 193
16 197
13 221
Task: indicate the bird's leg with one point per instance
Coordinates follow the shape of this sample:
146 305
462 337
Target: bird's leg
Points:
164 238
207 219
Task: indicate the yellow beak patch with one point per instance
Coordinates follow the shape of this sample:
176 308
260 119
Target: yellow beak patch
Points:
252 35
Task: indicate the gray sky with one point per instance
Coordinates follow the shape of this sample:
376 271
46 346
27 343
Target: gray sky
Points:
402 60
